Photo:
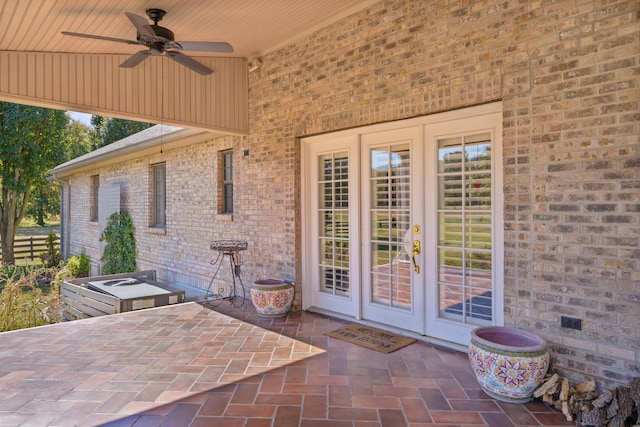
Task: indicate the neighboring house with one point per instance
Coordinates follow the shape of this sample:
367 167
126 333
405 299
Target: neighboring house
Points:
421 166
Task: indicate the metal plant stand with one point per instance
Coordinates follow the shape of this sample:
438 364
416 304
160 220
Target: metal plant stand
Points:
235 292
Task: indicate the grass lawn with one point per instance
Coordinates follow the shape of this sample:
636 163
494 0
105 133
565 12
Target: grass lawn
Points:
28 227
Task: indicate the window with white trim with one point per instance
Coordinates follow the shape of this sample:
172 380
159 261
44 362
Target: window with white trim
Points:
94 197
159 195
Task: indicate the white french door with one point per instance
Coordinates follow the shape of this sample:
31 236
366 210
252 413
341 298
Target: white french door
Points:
464 249
330 259
402 224
392 292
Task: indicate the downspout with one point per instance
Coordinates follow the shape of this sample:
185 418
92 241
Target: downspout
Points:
65 209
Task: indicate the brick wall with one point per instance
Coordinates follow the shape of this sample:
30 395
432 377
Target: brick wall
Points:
567 73
84 233
180 252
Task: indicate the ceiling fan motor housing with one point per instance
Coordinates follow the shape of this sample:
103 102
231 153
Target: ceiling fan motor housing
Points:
164 39
163 32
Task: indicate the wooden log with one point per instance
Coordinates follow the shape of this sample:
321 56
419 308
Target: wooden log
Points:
566 411
612 408
582 401
594 417
564 390
546 386
603 399
627 398
558 404
586 386
619 407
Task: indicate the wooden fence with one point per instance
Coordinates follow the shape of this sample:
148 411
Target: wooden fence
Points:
29 247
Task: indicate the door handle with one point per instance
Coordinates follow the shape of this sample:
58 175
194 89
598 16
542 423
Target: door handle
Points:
416 250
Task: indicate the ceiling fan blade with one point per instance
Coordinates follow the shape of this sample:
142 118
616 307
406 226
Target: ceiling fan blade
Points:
189 63
136 58
207 46
91 36
141 24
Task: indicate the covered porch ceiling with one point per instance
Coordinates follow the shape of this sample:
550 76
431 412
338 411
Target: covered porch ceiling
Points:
41 66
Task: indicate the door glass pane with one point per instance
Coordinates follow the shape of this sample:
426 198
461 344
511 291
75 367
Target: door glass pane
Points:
450 229
477 230
450 268
326 195
478 191
390 216
450 191
465 229
326 223
333 223
477 152
450 155
451 298
478 269
326 252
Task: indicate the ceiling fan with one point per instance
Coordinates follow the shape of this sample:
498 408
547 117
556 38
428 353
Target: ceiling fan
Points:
161 40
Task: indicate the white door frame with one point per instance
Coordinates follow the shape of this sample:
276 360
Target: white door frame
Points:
351 140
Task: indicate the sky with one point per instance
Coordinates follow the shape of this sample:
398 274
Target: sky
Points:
83 118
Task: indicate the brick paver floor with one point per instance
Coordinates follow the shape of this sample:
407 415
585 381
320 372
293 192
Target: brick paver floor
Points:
188 365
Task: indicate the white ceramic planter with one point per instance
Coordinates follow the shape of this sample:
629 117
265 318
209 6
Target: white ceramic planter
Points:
509 363
272 297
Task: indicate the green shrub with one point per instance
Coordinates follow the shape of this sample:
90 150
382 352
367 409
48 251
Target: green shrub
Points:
24 304
76 266
119 254
51 258
79 265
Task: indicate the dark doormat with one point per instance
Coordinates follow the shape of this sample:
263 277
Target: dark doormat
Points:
372 338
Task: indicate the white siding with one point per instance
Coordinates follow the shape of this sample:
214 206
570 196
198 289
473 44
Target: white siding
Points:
158 90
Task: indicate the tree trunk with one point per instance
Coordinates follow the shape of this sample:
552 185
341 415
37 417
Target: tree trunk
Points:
7 235
40 219
10 217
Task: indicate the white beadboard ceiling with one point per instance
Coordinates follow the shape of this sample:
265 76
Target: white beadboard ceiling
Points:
252 27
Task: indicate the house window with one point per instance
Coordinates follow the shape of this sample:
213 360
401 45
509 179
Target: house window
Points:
159 195
94 190
226 182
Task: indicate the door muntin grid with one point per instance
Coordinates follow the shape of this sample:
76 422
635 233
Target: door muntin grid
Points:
390 216
333 217
464 253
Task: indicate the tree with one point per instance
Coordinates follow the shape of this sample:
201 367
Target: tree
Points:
44 201
77 140
45 198
107 130
30 145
